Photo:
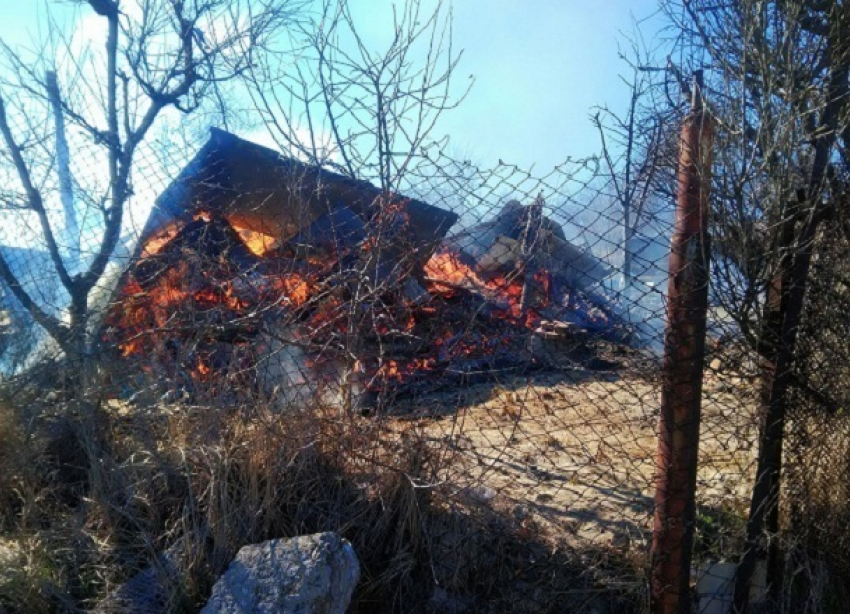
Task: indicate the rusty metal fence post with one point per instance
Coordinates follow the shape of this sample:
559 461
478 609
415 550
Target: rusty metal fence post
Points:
684 349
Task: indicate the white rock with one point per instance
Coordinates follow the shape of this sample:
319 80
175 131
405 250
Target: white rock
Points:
312 574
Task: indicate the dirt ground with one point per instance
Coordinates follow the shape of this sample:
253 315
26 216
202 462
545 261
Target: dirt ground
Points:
574 451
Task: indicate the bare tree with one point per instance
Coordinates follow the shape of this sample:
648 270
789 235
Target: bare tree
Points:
779 89
637 152
366 112
158 56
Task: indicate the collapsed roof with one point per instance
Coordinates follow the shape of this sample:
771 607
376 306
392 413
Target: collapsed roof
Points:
259 190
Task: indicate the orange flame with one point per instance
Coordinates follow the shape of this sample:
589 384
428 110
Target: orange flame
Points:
446 266
504 289
259 243
150 313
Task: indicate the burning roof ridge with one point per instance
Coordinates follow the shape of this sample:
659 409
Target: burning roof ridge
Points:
213 158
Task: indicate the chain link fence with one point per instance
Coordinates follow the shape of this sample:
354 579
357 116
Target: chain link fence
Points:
813 504
457 378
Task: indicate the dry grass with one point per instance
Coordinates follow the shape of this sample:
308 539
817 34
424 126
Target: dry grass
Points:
200 482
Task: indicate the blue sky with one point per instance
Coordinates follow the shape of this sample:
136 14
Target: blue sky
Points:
539 66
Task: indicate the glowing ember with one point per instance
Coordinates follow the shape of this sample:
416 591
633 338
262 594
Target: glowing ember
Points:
194 303
293 289
182 292
203 368
399 371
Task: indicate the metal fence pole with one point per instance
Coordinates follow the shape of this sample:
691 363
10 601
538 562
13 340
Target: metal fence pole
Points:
684 349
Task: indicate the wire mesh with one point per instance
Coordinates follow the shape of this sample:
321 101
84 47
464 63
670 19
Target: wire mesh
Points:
454 376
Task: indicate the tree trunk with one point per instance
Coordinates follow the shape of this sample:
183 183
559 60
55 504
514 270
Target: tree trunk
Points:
76 347
775 392
767 486
66 180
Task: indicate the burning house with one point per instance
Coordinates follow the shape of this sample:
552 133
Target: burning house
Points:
260 273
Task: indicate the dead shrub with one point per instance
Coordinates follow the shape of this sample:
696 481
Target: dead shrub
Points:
201 482
11 467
